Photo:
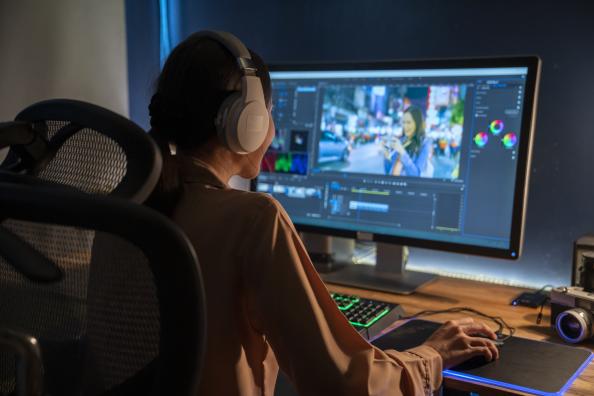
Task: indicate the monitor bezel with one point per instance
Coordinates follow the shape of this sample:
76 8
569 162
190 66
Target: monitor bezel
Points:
533 65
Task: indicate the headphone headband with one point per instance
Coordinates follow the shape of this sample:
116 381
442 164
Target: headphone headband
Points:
235 47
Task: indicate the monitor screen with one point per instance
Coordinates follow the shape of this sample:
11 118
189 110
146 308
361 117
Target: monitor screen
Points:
431 154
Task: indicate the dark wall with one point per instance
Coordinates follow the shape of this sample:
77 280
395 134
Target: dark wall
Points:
560 204
142 32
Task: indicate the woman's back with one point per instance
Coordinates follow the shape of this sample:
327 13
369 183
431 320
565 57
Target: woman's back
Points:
218 221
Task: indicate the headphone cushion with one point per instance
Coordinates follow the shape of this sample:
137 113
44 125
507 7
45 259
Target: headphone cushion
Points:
225 118
242 127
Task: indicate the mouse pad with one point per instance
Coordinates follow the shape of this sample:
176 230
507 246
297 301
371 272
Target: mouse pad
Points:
526 365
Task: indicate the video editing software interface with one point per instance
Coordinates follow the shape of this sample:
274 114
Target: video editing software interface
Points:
419 153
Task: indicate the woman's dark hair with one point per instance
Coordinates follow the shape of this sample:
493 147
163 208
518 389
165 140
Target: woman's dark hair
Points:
414 145
196 78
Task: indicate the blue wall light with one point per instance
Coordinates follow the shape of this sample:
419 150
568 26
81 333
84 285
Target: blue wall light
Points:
169 27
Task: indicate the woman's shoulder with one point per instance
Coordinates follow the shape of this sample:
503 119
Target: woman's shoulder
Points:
250 201
261 209
427 141
426 145
268 209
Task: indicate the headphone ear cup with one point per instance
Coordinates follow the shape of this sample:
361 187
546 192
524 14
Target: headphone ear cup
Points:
226 127
242 127
252 126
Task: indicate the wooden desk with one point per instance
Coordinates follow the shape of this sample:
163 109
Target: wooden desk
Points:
492 300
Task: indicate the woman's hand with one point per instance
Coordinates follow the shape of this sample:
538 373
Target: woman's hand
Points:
459 340
397 146
386 150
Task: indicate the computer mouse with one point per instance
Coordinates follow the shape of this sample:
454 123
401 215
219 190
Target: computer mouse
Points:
472 363
480 360
498 342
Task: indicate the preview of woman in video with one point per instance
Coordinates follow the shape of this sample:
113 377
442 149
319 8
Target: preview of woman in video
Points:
412 131
410 154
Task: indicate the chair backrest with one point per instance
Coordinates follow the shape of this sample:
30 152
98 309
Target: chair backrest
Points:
143 313
90 148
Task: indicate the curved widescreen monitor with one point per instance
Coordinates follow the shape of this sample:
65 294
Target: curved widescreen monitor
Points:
432 154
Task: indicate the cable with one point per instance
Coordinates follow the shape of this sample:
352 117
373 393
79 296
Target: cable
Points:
502 324
539 316
543 289
544 302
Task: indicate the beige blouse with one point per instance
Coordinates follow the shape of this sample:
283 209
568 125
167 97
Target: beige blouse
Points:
267 306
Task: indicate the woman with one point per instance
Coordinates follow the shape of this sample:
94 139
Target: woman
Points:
411 156
267 307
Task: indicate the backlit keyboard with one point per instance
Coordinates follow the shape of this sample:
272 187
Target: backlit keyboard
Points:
369 317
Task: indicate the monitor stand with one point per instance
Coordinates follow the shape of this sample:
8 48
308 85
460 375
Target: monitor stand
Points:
387 275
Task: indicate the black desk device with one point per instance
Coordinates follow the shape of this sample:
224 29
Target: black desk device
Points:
536 367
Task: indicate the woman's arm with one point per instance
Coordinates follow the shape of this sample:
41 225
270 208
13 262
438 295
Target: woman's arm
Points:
416 167
314 344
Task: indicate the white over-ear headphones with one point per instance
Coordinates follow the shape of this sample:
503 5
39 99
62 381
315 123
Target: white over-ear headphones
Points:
242 120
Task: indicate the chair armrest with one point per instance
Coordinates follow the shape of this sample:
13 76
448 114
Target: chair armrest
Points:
16 132
29 369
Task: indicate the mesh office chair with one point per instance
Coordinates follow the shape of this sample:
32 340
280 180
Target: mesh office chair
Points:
65 143
144 323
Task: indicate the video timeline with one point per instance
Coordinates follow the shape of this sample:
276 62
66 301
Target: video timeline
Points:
290 191
340 199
